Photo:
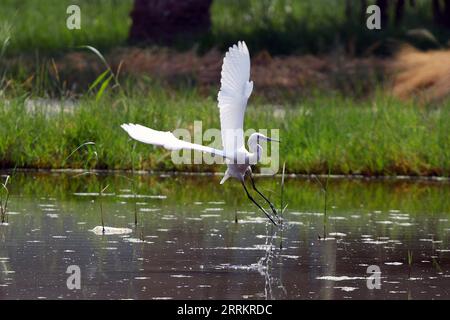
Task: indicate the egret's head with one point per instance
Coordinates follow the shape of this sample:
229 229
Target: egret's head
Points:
256 138
254 144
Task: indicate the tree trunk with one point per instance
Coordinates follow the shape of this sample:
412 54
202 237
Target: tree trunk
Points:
441 12
384 8
399 11
166 21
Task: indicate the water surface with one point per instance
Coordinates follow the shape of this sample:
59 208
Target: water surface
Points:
187 245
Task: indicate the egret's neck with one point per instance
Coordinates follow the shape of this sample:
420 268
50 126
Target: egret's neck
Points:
254 148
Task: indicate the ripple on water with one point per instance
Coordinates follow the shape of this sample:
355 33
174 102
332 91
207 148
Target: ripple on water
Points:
141 196
346 289
376 242
254 220
59 237
337 234
298 213
399 217
211 215
251 267
49 209
262 247
213 209
296 223
289 256
12 213
99 230
92 194
384 222
137 240
47 205
169 217
149 209
340 278
194 218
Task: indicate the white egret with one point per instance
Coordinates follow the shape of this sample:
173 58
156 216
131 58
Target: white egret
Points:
235 90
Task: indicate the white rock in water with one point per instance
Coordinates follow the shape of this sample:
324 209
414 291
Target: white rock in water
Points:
99 230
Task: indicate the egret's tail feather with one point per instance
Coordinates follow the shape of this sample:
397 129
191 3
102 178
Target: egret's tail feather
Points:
225 177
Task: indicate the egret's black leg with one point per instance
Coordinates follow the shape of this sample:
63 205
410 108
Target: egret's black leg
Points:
256 203
264 197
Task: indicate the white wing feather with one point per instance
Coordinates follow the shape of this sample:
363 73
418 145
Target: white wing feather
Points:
165 139
233 95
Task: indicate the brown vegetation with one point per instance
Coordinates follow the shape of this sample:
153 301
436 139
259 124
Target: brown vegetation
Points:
421 75
411 74
294 74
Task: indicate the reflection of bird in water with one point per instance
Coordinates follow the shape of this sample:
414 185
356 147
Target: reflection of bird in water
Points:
235 90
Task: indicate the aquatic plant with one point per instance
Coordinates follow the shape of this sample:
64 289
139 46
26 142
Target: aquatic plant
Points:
324 189
101 207
410 261
282 207
4 197
101 189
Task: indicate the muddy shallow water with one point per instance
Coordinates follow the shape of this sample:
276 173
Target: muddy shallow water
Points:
187 245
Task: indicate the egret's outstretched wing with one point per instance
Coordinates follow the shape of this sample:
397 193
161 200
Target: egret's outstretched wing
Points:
234 92
165 139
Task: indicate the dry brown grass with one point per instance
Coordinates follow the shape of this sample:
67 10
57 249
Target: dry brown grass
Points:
424 76
294 74
277 77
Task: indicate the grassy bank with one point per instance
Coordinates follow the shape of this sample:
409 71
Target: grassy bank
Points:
373 137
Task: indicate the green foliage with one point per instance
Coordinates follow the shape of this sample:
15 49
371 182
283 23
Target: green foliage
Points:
382 136
41 25
281 26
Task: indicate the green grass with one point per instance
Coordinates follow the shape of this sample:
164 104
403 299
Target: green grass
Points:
280 26
375 137
314 26
40 26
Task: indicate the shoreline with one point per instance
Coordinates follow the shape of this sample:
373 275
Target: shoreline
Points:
3 171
